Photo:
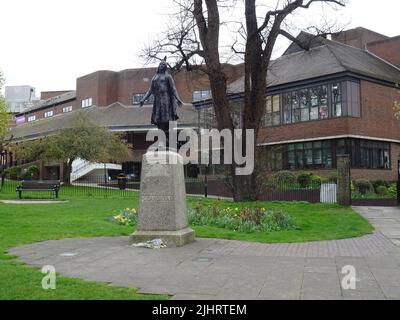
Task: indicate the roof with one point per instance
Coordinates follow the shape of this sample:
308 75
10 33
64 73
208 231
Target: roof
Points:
117 117
71 95
328 58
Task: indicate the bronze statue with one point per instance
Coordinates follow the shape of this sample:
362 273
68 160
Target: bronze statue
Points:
166 98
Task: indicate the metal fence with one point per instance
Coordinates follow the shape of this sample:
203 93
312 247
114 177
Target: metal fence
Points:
273 190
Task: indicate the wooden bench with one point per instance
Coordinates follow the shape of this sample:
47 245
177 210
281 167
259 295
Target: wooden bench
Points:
40 185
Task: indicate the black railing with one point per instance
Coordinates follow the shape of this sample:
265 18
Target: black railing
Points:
121 187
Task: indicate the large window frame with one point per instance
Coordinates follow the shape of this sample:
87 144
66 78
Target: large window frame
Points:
87 103
312 103
273 111
321 154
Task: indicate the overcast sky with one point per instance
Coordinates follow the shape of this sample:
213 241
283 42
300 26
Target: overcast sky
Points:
49 43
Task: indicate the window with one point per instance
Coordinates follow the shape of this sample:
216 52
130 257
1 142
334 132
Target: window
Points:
273 111
48 114
364 154
137 97
201 95
309 155
287 109
86 103
67 109
319 103
374 155
304 100
31 118
337 99
316 103
207 119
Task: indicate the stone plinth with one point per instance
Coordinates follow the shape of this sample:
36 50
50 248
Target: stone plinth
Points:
162 208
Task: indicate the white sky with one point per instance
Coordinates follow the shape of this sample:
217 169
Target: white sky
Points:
49 43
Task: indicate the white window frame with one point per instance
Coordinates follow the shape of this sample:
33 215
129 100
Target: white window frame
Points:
48 114
86 103
31 118
67 109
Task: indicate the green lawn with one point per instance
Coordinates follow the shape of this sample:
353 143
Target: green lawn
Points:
313 222
89 217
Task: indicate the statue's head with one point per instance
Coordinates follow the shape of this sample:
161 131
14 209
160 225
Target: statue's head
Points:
162 67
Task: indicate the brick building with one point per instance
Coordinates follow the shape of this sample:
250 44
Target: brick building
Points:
110 99
335 98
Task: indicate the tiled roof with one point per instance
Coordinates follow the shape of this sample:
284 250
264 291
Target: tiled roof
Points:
329 58
116 117
53 101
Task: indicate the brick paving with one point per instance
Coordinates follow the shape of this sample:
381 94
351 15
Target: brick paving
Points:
223 269
368 245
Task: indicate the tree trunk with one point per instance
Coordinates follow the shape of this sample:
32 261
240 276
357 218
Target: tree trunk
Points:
67 172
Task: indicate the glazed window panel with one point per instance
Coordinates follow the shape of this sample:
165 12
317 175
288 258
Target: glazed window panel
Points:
374 155
337 99
310 155
199 95
273 111
287 109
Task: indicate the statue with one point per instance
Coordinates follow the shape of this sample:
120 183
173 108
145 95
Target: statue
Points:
166 99
162 211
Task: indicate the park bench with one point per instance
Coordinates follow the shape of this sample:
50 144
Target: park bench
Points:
39 186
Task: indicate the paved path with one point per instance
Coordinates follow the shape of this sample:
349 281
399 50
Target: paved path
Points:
222 269
25 202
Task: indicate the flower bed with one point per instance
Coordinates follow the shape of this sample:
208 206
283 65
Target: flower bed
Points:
247 220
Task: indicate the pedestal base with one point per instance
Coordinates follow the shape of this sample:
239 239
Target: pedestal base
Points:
170 238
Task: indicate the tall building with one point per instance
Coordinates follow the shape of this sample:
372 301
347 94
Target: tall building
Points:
20 98
335 98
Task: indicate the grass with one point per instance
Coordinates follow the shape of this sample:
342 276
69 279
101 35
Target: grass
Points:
84 216
313 222
24 224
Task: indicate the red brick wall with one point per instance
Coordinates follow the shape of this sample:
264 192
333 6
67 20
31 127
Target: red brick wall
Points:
107 87
137 81
388 50
101 86
357 37
377 114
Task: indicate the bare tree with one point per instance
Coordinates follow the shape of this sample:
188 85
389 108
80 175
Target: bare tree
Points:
194 43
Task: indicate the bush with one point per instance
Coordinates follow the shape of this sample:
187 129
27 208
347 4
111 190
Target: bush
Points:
381 190
33 171
363 186
333 177
380 183
13 173
285 177
392 190
304 179
246 220
316 181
